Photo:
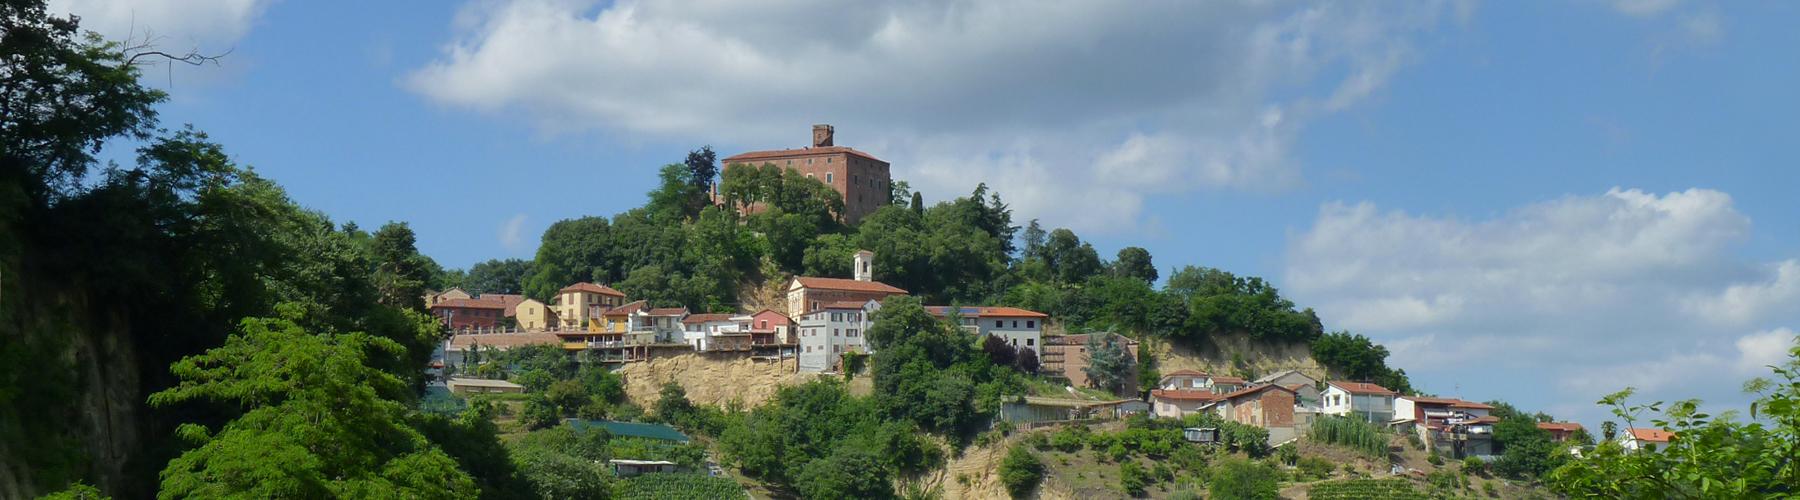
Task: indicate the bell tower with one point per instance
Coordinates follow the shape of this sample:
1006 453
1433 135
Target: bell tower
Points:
822 136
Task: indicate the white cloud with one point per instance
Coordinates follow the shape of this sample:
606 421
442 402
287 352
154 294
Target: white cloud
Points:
210 26
512 235
1757 352
1582 295
1097 101
1644 8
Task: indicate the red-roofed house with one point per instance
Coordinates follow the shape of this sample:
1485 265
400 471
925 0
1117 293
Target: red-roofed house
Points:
1267 406
836 328
1195 380
714 332
1560 431
1456 427
465 314
1177 403
1645 439
1370 402
860 177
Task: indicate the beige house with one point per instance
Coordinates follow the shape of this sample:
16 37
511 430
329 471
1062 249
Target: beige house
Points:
454 293
534 316
580 304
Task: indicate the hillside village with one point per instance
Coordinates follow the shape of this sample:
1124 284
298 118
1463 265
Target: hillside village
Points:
818 326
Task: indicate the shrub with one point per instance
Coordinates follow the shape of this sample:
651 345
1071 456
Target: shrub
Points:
1489 489
1315 467
1020 471
657 486
1363 437
1288 453
1358 489
1239 478
1434 459
1473 465
1069 439
1133 479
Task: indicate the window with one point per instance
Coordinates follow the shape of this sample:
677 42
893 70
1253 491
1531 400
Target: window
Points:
1030 323
1015 323
809 161
1015 342
827 159
997 323
836 333
1030 342
762 323
828 177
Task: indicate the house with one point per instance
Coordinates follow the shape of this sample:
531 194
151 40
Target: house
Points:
663 323
578 305
1177 403
1455 427
1066 356
1020 328
861 178
831 331
1195 380
461 385
715 332
1267 406
1307 388
768 329
1033 410
609 337
1560 431
469 314
534 316
1653 440
1366 401
506 299
807 294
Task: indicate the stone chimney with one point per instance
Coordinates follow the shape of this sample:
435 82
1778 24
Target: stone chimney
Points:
865 266
822 136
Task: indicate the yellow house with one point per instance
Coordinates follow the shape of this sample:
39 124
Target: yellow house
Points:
579 304
534 316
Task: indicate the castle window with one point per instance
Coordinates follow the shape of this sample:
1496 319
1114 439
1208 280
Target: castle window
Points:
828 177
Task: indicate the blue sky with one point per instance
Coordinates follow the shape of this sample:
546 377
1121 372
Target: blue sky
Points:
1530 201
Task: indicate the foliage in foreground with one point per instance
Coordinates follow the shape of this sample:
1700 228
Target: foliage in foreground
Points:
1359 489
1708 456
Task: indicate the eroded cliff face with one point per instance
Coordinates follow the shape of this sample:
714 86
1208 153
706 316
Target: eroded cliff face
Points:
70 397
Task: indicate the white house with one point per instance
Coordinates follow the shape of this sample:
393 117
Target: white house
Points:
1194 380
1021 328
832 330
1636 439
699 329
1370 402
663 323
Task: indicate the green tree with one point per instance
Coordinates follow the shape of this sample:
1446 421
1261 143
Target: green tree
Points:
1109 363
703 170
497 276
1134 262
401 273
572 251
1069 259
318 422
849 472
1236 479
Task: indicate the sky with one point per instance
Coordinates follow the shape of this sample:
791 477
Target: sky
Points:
1536 202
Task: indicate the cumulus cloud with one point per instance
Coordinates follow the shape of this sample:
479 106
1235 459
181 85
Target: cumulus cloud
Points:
175 25
1096 100
1582 294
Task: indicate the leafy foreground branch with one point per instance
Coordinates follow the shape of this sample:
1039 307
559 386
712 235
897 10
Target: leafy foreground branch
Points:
1707 456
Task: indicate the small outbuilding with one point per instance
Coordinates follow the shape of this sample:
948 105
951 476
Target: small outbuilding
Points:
462 385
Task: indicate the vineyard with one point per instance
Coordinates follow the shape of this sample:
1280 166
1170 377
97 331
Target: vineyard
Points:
1358 435
1357 489
661 486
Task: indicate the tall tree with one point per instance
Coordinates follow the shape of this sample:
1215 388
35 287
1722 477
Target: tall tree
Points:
400 272
703 171
1109 364
497 276
1069 259
572 250
1134 262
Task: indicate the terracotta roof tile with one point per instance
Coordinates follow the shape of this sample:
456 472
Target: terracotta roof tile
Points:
1471 405
501 340
1559 426
1656 435
847 284
1186 395
469 304
667 311
627 309
1253 390
703 318
1362 388
592 288
1228 380
987 312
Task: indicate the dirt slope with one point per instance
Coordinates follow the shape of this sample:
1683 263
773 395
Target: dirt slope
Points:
709 379
1262 359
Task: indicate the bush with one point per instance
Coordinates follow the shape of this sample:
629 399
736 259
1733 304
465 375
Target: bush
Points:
659 486
1357 489
1434 459
1489 489
1315 467
1288 453
1069 439
1473 465
1242 479
1363 437
1020 471
1133 479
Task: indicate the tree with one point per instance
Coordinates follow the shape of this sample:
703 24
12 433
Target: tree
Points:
849 472
998 351
918 203
1242 479
318 422
572 250
1109 364
497 276
1134 262
1028 361
400 272
899 193
1021 472
703 167
1069 259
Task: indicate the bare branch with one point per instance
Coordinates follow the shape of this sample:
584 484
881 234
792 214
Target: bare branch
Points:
192 57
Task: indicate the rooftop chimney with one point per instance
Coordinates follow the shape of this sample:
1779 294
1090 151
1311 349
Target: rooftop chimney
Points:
822 135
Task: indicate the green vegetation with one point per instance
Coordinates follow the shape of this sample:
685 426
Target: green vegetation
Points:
1021 471
1708 457
1237 478
1357 489
664 486
1363 437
